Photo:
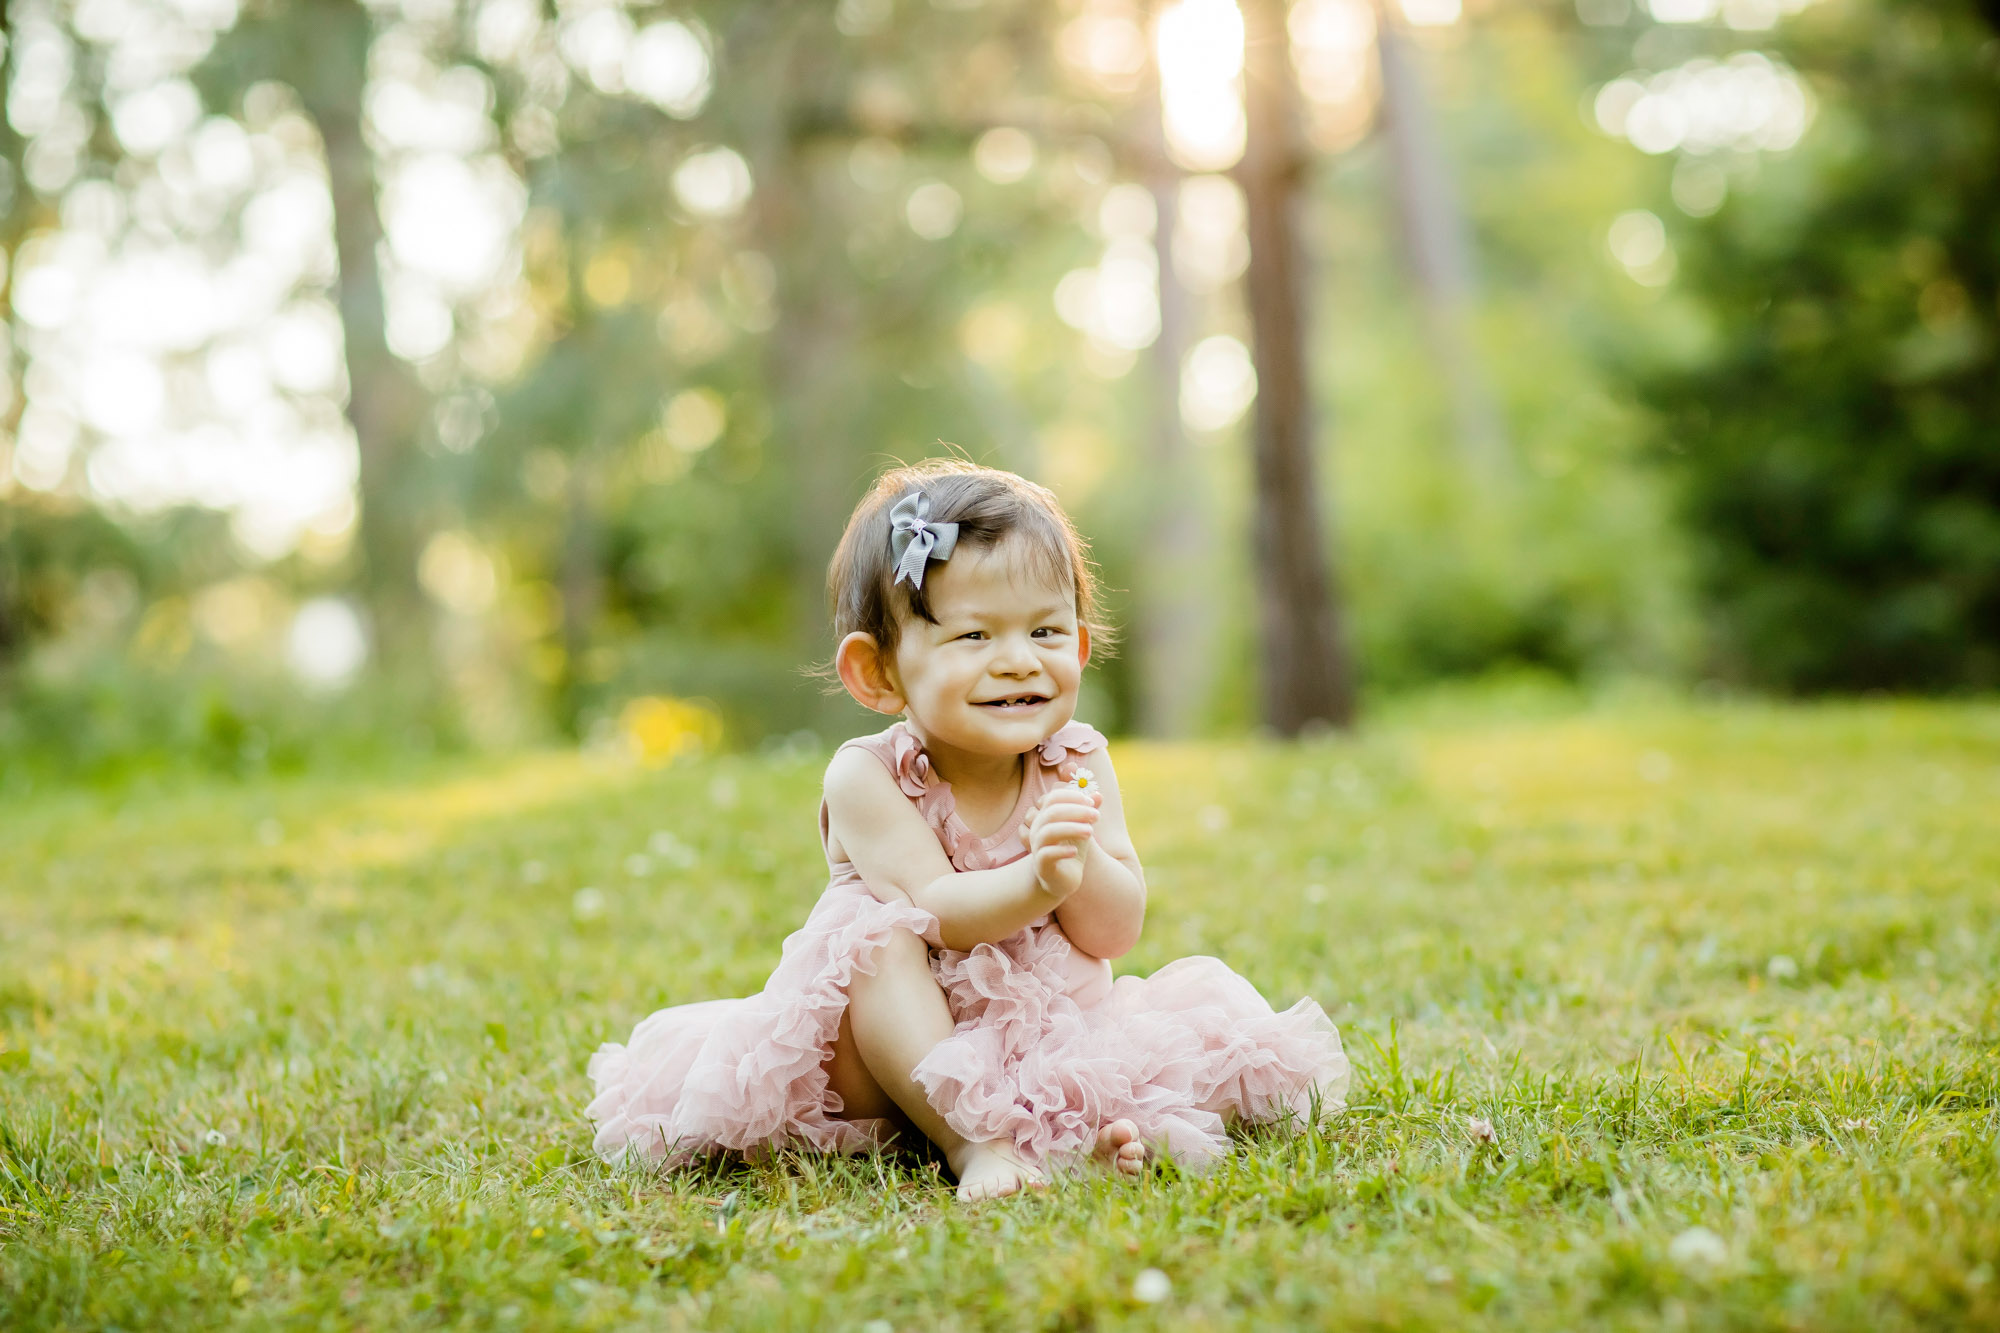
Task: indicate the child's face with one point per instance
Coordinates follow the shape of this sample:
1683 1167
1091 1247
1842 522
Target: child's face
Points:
998 674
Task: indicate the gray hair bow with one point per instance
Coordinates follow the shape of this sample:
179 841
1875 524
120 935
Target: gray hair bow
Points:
914 540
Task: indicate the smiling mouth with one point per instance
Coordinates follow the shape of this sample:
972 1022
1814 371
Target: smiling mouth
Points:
1015 702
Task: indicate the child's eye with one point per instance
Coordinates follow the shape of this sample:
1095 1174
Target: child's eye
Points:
973 634
1049 631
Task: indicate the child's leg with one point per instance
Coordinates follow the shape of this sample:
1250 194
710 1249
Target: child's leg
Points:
894 1017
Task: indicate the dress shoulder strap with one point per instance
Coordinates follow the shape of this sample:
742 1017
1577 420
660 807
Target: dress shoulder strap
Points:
898 751
1066 749
901 753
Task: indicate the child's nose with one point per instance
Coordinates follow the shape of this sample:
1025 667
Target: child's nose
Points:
1016 659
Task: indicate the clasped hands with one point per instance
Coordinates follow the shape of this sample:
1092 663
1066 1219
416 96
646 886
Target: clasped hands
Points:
1058 832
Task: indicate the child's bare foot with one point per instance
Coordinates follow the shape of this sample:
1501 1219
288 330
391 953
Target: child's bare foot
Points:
992 1171
1118 1144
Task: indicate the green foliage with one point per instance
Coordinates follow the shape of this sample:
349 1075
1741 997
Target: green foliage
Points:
310 1052
113 721
61 563
108 673
1835 439
818 327
1824 367
1559 553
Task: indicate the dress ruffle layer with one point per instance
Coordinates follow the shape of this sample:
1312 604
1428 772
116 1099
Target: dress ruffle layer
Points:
1047 1048
749 1075
1180 1053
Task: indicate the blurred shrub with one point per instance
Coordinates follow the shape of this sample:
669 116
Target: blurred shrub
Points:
1553 550
65 565
141 644
1576 574
760 690
111 720
1837 439
659 730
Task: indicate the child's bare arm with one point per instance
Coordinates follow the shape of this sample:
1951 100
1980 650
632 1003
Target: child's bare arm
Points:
1103 916
898 856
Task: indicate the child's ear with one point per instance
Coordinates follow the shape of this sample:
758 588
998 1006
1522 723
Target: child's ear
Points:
865 671
1082 644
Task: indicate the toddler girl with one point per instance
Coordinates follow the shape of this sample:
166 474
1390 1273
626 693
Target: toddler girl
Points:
953 977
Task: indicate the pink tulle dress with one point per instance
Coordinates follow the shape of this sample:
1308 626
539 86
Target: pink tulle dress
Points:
1048 1047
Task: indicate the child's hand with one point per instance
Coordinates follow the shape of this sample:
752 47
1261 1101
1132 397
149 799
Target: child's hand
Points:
1058 835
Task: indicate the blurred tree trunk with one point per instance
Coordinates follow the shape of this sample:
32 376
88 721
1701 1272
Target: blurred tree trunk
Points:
810 370
1307 680
319 48
579 586
808 356
327 64
1173 616
1437 246
13 218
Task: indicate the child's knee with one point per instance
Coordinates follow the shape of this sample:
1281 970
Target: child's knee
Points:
898 961
903 951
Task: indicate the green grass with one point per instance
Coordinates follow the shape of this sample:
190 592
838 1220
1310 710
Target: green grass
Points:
311 1052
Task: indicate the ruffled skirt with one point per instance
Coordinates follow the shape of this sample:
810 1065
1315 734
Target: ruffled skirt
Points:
1180 1053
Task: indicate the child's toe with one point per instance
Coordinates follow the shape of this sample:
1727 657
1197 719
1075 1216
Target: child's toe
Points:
1131 1158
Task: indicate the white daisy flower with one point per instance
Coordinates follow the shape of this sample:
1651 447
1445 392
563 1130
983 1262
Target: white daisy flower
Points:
1697 1247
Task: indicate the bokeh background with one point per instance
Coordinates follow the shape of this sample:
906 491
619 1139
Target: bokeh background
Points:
477 373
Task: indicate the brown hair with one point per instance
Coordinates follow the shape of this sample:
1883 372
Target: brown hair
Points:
988 505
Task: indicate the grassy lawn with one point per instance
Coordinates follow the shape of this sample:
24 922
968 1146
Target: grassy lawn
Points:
1722 980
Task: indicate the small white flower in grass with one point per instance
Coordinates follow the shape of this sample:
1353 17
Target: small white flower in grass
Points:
638 865
1857 1124
1697 1247
1481 1129
1214 818
587 904
533 872
1782 967
1151 1286
878 1326
215 1138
